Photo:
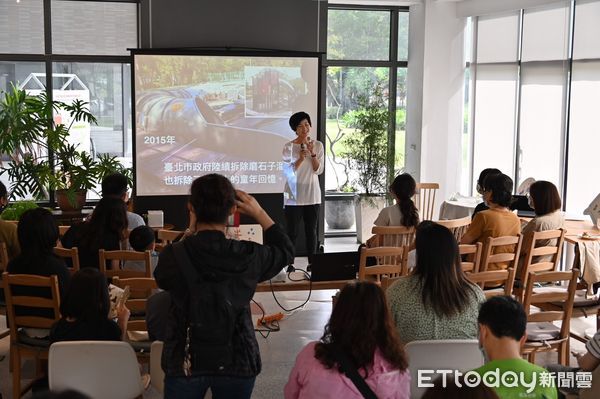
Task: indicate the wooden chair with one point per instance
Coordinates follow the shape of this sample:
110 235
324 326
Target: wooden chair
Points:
557 338
22 345
532 251
123 256
386 282
69 253
393 236
458 227
168 236
141 289
425 199
389 263
470 256
504 277
3 264
490 256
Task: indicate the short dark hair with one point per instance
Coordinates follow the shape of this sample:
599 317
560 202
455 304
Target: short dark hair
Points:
3 191
504 316
212 197
485 173
37 232
114 185
141 238
501 187
297 118
545 196
87 297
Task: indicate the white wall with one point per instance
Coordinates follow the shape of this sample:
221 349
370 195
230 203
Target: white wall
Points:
442 95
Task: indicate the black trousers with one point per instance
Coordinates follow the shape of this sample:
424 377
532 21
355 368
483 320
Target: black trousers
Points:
310 214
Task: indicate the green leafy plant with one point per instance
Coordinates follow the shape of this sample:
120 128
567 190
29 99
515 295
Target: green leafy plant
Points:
15 209
366 149
41 158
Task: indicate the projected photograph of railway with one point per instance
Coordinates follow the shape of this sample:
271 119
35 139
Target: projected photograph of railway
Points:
199 114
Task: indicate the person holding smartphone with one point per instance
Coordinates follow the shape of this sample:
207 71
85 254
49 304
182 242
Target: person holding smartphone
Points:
303 160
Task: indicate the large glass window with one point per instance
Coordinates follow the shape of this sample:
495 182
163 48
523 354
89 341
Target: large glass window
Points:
21 27
541 121
358 35
363 53
88 27
494 130
104 29
551 100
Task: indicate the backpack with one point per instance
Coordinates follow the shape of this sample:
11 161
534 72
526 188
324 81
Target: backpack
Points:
211 318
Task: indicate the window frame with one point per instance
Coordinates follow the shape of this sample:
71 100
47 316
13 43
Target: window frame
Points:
49 59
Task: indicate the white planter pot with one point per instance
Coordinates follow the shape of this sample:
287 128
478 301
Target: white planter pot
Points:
367 209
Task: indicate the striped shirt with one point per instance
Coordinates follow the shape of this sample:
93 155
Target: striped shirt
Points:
593 345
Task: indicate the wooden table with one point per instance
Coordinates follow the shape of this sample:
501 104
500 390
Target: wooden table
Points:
304 285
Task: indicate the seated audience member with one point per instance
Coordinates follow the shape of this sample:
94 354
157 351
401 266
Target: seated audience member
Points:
498 220
8 231
360 328
222 354
115 186
482 206
451 390
142 239
104 229
502 324
38 234
587 361
85 311
545 200
436 301
403 212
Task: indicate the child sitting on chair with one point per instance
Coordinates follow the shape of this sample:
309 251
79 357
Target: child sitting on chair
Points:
142 239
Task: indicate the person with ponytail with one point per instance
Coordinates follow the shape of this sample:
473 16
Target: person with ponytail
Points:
498 220
404 212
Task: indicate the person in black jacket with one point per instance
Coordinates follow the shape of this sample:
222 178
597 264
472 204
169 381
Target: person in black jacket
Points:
242 265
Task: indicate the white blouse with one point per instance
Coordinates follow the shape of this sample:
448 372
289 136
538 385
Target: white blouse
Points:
302 184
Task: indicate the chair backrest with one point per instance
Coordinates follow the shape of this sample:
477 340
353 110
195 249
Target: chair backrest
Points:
69 253
15 299
504 277
62 230
123 256
393 236
3 257
490 254
454 354
386 282
157 375
389 263
470 255
99 369
458 227
168 236
535 254
425 199
140 289
564 297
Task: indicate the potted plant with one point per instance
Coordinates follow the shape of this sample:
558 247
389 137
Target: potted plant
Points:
41 158
366 153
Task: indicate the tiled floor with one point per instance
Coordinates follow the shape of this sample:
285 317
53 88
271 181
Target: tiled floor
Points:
306 324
